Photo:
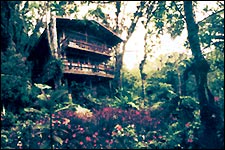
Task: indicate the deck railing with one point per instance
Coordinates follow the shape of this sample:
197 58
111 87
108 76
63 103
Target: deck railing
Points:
79 43
88 69
88 46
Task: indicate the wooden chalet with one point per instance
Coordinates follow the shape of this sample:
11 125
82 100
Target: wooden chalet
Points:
85 48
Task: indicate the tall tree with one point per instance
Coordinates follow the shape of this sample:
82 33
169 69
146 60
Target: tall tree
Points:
15 75
208 110
175 23
151 8
53 45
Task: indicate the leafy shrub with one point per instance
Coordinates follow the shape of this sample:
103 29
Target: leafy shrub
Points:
125 99
15 79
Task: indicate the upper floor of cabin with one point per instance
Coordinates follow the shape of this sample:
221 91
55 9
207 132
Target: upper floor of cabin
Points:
85 35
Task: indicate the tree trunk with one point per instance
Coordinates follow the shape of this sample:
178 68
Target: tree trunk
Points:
149 14
143 76
52 32
141 68
118 56
118 67
208 111
52 39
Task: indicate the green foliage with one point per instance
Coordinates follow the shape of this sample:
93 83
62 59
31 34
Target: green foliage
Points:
216 85
97 13
159 16
175 110
127 137
64 8
161 91
9 120
15 78
211 29
175 19
51 100
131 81
49 105
91 98
181 123
42 86
125 99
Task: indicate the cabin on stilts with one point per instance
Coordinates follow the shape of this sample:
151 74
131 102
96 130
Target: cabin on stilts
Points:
85 49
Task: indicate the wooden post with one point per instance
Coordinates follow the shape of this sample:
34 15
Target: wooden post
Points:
68 83
110 88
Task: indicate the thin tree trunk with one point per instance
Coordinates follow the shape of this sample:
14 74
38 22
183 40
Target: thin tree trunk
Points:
120 55
179 83
52 33
118 62
118 67
208 112
52 38
149 14
141 68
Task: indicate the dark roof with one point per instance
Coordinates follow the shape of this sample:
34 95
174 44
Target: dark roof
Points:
91 27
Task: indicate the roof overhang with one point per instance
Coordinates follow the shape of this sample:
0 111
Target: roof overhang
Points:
90 27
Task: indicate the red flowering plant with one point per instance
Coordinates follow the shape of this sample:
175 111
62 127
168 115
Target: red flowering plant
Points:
109 117
72 130
116 118
97 131
69 127
76 131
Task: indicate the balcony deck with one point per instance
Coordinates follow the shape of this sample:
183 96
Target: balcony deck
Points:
81 45
88 69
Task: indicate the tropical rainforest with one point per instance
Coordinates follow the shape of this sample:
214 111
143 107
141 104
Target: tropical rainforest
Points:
172 100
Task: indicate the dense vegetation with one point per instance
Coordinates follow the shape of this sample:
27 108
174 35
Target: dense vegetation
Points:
159 105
